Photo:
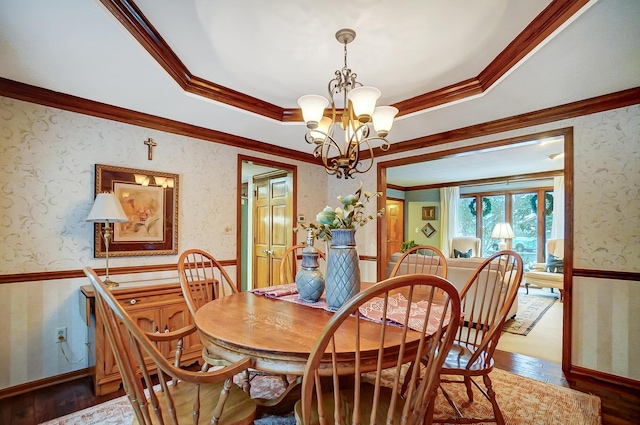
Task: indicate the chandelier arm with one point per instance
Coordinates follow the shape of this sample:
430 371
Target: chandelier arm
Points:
356 168
323 150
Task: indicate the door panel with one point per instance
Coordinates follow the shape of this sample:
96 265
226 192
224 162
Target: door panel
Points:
280 232
149 321
261 235
273 224
173 318
395 226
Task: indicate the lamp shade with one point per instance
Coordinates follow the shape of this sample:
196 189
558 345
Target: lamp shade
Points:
364 101
502 231
383 119
312 106
320 133
106 208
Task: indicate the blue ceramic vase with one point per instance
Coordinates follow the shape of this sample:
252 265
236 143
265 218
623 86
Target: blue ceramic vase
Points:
343 269
309 279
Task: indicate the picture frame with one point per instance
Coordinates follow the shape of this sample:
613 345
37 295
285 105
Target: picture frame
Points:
428 230
429 213
150 200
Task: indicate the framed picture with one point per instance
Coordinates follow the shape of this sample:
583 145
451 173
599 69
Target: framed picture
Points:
428 213
150 201
428 230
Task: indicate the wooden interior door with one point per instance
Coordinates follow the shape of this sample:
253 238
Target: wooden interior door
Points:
261 234
394 214
273 218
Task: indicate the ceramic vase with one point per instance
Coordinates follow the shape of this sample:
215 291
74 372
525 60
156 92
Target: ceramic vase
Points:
309 279
343 269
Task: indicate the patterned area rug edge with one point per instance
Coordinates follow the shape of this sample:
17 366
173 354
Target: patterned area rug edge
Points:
531 308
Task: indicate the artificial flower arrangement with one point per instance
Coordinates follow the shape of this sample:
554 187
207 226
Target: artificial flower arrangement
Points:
349 216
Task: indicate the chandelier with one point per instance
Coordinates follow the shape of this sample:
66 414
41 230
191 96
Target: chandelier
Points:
358 114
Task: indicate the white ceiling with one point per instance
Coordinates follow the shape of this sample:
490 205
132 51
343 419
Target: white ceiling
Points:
279 50
525 158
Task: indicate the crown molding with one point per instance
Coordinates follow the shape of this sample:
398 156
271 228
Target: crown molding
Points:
543 116
28 93
549 20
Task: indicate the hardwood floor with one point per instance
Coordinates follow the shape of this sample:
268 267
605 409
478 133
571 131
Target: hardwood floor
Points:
619 406
52 402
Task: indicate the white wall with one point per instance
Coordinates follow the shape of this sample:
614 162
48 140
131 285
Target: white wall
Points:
47 159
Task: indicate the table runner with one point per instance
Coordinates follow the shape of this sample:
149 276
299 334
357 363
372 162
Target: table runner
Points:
289 292
371 310
396 311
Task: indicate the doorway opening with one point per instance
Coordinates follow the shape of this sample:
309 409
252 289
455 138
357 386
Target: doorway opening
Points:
265 220
448 168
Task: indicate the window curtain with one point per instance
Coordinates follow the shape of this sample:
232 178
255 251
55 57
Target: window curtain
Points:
557 219
449 197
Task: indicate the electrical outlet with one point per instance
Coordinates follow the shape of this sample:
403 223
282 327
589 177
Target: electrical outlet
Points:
61 334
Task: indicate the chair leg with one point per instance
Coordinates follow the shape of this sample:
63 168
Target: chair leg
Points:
285 381
405 383
246 386
492 398
467 383
428 417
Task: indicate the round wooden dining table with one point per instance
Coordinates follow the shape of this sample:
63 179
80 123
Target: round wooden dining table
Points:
279 335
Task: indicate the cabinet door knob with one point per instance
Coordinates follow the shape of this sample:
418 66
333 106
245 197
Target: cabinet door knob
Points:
132 302
157 330
166 329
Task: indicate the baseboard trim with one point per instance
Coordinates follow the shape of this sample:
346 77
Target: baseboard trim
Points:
583 373
42 383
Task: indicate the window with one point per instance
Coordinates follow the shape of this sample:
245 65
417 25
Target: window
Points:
466 218
493 211
524 221
531 223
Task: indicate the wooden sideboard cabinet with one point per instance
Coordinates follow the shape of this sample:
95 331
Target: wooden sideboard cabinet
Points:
156 308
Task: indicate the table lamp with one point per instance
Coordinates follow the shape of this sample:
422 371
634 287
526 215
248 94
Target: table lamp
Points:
107 209
502 231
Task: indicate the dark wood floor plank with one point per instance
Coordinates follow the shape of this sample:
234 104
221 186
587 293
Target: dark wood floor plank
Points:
21 408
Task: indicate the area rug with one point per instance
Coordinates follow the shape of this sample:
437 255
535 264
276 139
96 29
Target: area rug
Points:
531 308
523 401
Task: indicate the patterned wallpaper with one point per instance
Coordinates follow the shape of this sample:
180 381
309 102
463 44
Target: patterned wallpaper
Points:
607 187
47 159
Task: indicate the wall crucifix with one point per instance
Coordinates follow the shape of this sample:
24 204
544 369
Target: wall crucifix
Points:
150 144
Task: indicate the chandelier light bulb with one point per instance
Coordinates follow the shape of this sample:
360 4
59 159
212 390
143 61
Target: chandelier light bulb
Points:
313 107
321 131
364 102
